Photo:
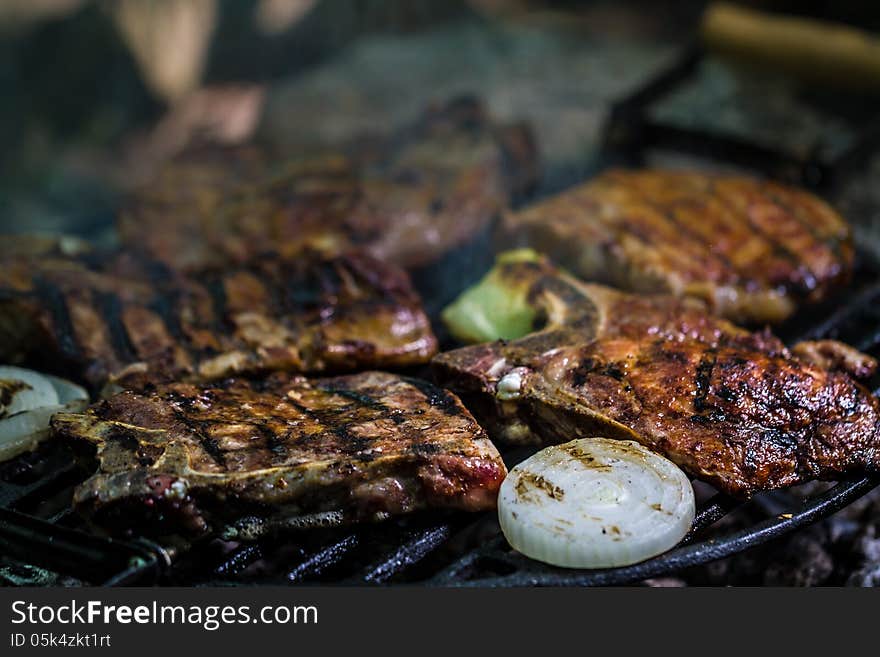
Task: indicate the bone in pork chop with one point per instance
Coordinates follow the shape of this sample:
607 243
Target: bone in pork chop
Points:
753 250
187 458
122 318
734 408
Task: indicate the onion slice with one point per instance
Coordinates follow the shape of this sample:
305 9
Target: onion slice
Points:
29 400
595 503
22 390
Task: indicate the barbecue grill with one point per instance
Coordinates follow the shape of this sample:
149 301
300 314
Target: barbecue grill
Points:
42 542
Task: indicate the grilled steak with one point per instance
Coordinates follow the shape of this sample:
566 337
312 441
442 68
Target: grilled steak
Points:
128 320
408 198
186 458
214 207
753 250
734 408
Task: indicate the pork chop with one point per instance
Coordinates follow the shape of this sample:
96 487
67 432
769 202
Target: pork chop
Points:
754 250
189 458
729 406
124 319
406 198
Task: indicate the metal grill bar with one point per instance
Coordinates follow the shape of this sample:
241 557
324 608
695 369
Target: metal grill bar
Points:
323 559
25 489
408 554
716 508
82 555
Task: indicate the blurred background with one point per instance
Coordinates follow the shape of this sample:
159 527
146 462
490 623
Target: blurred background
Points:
97 93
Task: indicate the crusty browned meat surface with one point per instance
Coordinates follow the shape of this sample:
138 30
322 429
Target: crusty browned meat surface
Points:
216 207
408 198
187 458
753 250
124 319
734 408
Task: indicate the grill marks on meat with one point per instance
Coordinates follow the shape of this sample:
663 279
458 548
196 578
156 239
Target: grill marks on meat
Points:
128 320
407 198
201 211
184 457
753 250
731 407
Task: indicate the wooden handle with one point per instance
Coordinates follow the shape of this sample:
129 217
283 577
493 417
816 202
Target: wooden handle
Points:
820 52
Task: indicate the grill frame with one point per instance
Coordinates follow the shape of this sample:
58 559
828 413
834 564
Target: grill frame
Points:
630 132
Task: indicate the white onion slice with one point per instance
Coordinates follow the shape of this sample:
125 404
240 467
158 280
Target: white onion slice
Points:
22 390
26 421
595 503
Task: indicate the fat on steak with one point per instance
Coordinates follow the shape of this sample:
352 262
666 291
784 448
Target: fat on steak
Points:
190 457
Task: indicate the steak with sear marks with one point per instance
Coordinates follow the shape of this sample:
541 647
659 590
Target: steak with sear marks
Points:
188 458
734 408
406 198
753 250
125 319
